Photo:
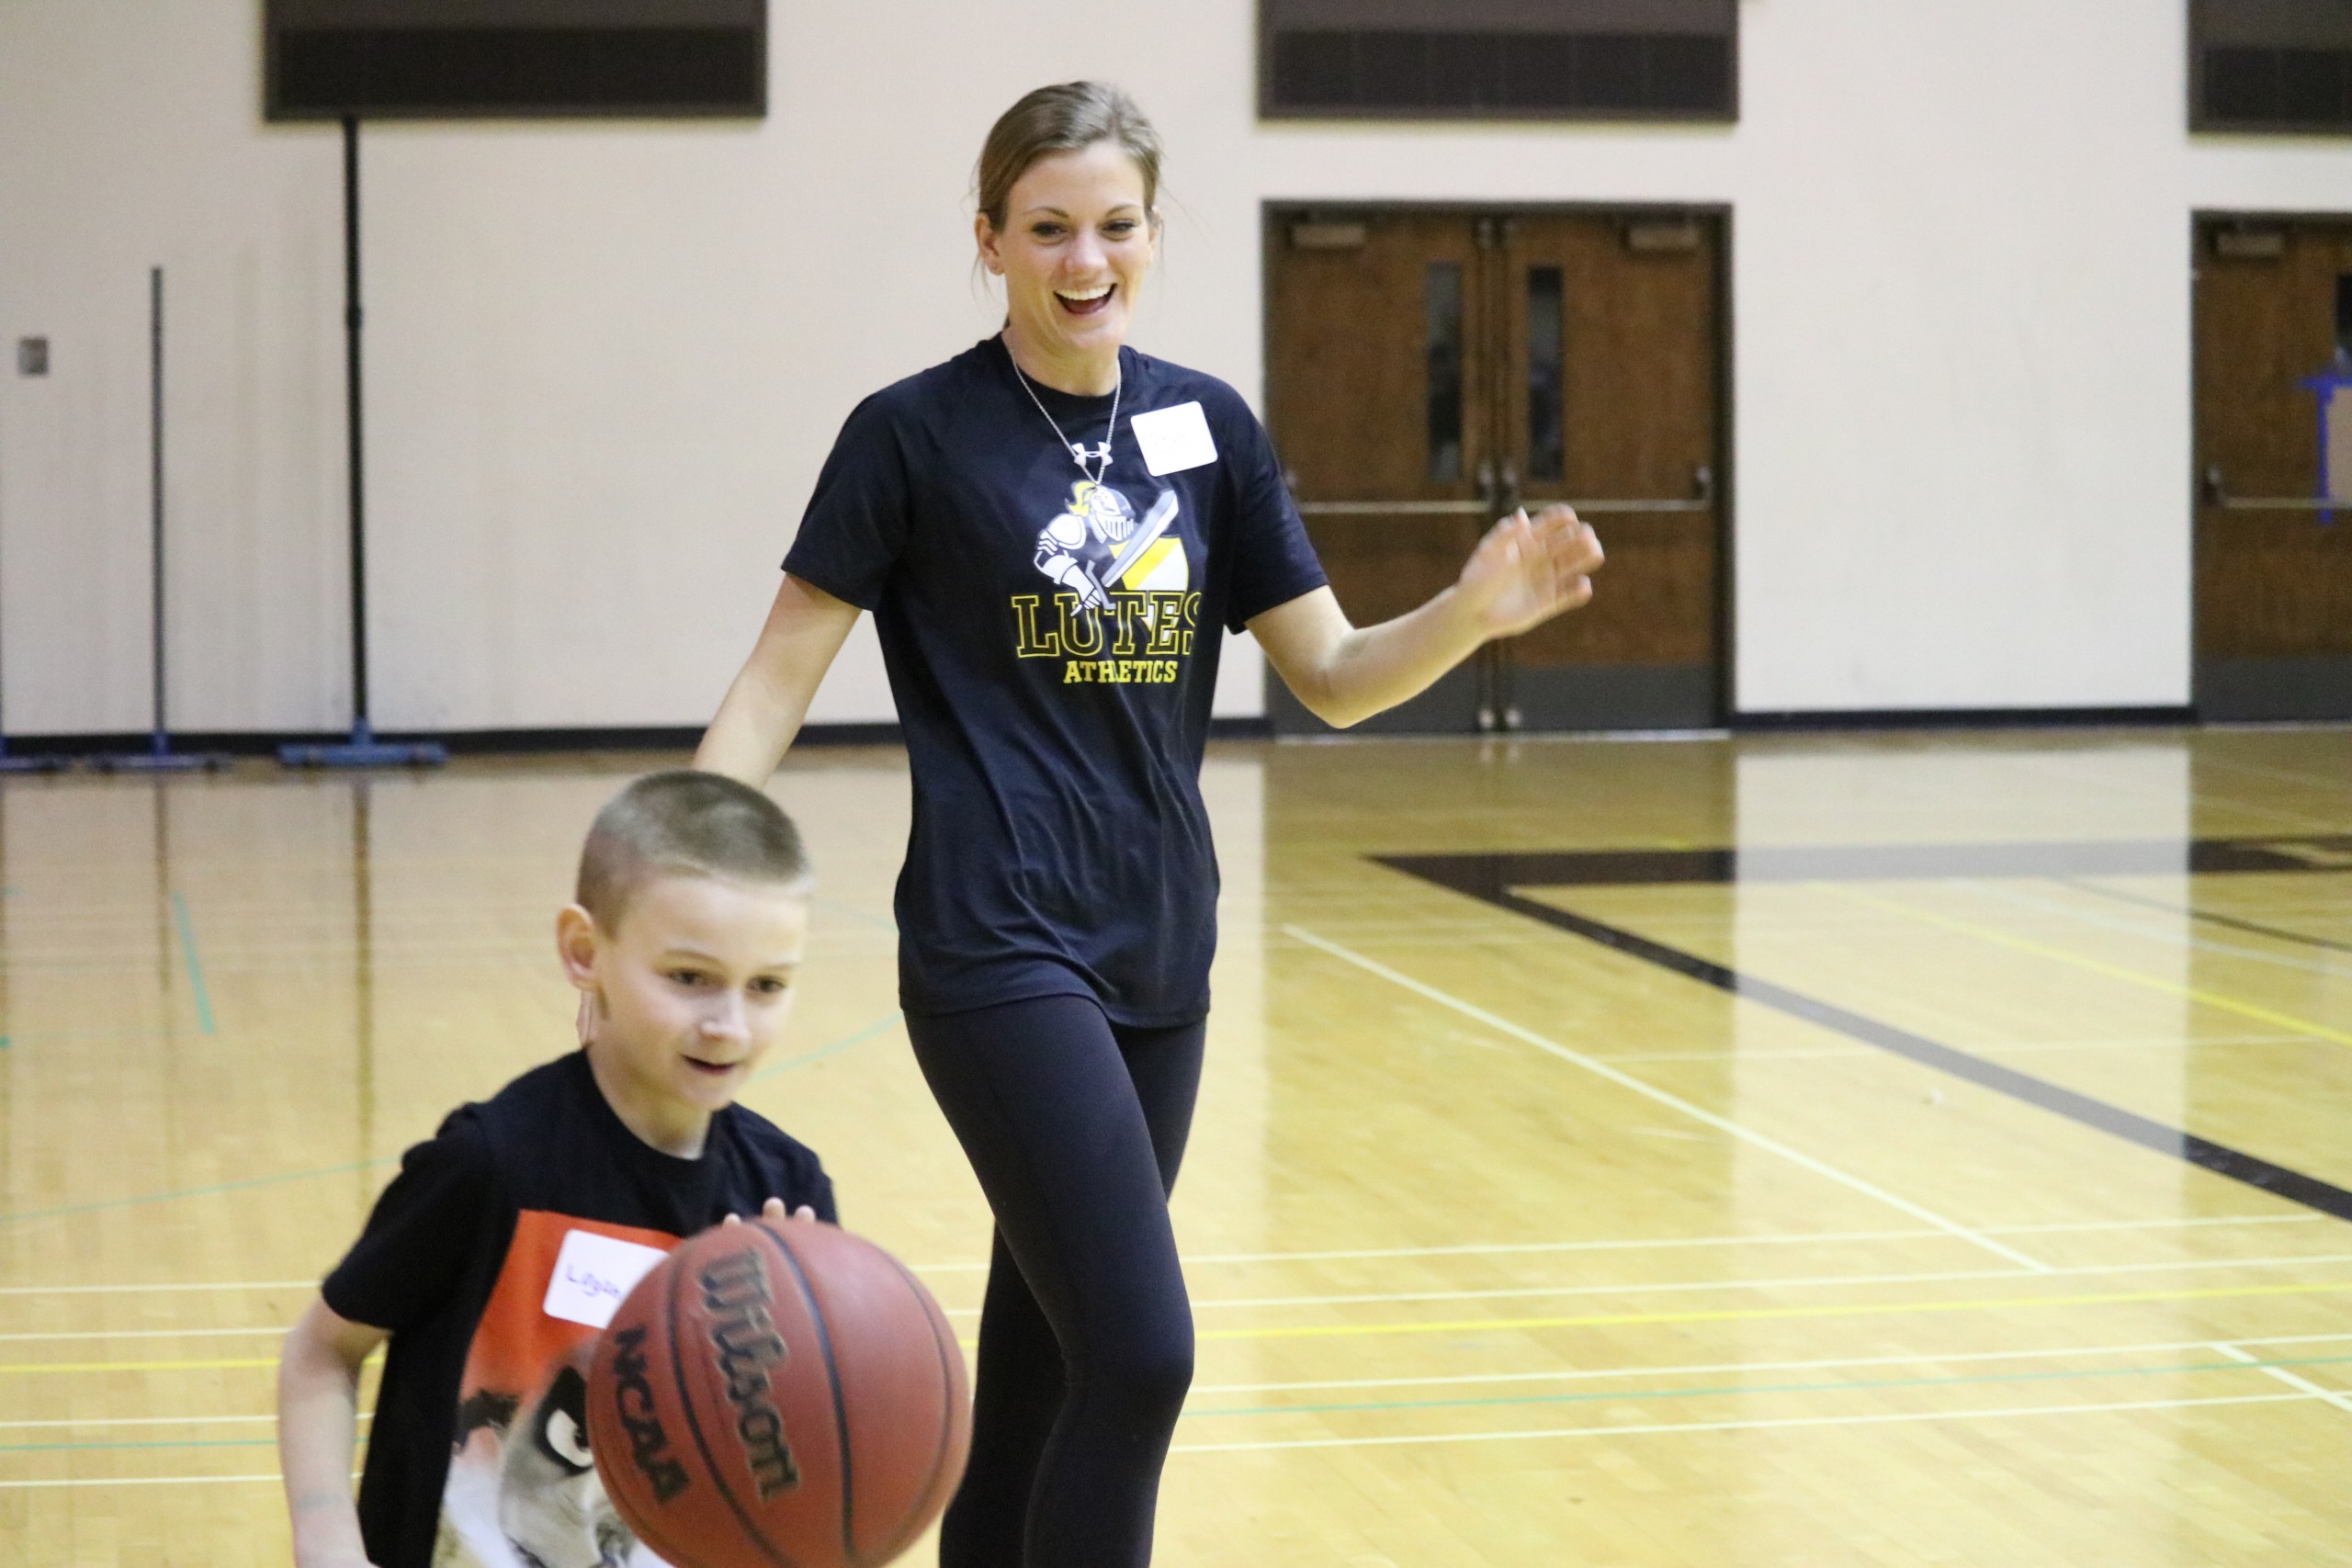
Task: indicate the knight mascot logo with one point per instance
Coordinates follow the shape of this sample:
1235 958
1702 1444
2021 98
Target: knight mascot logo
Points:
1096 544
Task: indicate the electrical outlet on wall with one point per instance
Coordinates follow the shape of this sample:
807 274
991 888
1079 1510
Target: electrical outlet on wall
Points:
32 357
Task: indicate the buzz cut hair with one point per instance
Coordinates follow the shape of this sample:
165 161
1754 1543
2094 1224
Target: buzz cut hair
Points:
688 823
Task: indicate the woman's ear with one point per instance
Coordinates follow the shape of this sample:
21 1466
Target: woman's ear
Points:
984 235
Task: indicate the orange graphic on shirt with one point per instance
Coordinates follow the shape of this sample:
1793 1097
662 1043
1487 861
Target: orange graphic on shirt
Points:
523 1490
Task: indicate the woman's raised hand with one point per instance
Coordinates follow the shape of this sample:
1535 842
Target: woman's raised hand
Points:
1528 569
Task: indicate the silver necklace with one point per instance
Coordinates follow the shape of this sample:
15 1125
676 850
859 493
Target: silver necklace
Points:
1078 449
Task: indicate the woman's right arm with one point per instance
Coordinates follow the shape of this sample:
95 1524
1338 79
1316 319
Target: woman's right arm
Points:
763 708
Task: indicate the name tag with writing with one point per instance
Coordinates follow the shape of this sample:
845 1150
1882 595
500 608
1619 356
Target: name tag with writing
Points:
593 1273
1175 439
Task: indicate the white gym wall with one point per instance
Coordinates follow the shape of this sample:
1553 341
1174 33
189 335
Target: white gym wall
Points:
605 360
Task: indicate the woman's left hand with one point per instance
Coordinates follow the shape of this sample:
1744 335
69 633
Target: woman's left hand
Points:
1527 570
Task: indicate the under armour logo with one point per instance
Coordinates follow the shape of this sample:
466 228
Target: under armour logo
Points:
1079 451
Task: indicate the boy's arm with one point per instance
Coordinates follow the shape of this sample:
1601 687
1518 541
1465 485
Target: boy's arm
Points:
317 1404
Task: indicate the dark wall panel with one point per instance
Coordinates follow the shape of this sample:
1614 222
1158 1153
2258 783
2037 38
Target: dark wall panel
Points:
2281 66
1671 60
468 59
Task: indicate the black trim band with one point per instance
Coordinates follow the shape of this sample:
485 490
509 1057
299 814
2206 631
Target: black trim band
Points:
1494 879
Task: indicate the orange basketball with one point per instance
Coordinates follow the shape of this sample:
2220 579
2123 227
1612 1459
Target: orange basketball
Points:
779 1394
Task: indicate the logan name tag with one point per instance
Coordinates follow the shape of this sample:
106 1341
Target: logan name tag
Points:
593 1273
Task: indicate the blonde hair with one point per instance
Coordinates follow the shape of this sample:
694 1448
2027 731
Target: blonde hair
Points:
685 823
1069 118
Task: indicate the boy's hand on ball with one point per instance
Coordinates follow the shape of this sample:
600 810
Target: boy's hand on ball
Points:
774 1209
1528 569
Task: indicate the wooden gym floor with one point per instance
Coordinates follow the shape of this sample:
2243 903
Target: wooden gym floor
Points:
1955 1175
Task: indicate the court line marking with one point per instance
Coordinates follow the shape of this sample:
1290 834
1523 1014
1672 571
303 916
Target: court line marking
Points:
152 1481
1794 1239
2174 940
1800 1282
1482 877
216 1188
2197 994
1497 1249
1672 1101
1989 1048
2211 917
1662 1428
2278 1369
196 988
2229 1363
145 1333
1480 1326
1514 1293
1579 1375
878 1027
224 1420
159 1285
1867 1385
147 1481
1753 1315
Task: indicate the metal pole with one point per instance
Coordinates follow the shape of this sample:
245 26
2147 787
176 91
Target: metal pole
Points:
351 325
155 494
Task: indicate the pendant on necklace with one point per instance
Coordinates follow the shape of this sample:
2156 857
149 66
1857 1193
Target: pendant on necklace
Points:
1078 451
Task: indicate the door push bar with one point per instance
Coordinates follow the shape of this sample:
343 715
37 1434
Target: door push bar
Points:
1493 504
2217 495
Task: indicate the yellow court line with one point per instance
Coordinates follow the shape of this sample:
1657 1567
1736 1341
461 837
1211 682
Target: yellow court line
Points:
133 1366
1751 1314
1490 1325
2112 971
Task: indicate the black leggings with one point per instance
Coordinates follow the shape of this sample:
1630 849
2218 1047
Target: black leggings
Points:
1075 1126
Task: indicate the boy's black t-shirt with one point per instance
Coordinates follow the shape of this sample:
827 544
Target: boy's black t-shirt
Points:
494 1257
1053 648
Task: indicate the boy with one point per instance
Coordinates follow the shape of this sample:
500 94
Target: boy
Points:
506 1241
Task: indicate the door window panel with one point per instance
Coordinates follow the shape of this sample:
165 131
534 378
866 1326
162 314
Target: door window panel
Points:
1442 306
1547 452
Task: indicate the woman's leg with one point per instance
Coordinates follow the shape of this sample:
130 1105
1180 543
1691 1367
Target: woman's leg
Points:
1075 1131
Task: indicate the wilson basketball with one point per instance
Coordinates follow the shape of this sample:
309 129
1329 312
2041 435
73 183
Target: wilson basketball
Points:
779 1394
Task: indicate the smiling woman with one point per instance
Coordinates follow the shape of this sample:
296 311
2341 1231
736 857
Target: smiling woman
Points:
1052 640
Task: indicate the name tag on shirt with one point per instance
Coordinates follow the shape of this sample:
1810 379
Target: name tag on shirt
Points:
1175 439
593 1273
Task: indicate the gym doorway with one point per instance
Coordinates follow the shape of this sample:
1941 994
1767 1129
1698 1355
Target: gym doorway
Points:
1428 370
2274 465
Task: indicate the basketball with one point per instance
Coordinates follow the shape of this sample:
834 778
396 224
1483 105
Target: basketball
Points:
778 1393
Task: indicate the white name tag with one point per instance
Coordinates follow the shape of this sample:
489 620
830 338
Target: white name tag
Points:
593 1273
1175 439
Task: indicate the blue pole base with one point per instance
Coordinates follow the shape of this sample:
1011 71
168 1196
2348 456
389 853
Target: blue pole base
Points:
32 764
364 751
162 763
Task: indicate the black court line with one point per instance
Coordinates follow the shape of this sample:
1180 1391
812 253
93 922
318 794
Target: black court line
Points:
1495 879
2277 933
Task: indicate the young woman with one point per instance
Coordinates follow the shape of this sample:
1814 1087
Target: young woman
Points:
1054 533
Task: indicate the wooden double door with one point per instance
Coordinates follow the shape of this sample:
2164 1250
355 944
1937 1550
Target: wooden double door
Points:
2274 464
1430 370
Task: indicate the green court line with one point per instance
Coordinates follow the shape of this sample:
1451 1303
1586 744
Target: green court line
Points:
216 1187
92 1448
1620 1396
859 1038
835 1049
195 965
1605 1396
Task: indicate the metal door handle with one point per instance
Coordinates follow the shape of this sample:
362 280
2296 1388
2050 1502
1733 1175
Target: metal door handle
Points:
1498 498
2217 494
1479 508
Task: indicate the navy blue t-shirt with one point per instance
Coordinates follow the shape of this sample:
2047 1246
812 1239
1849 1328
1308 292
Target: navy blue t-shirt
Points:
1053 648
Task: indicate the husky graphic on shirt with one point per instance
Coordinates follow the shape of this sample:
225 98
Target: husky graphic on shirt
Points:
1124 610
523 1490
